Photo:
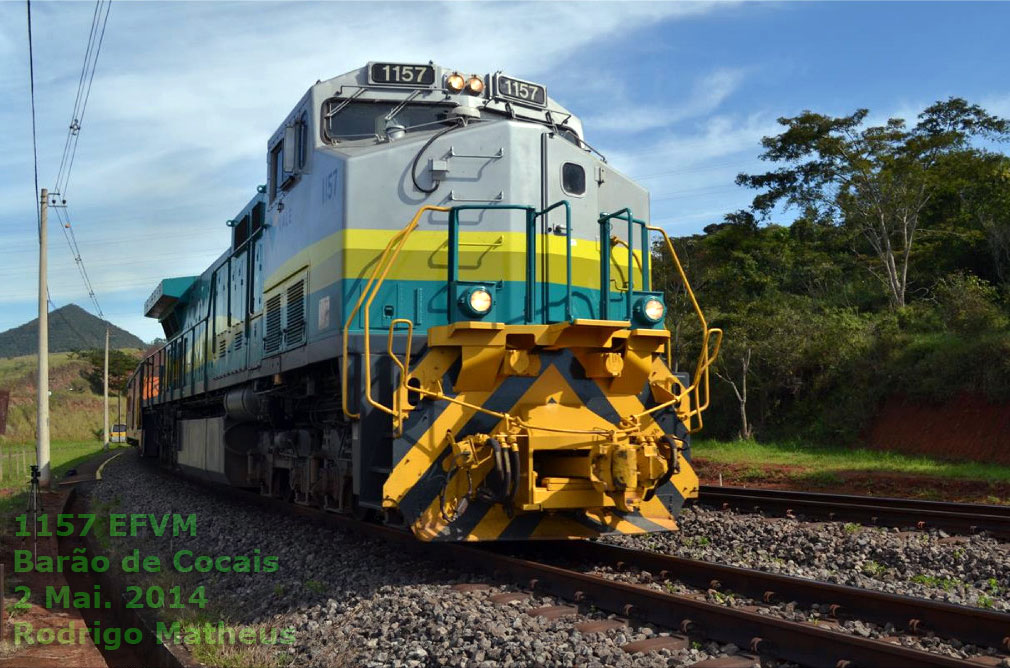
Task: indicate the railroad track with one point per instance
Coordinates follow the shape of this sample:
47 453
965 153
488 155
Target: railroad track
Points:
962 518
691 617
805 644
914 615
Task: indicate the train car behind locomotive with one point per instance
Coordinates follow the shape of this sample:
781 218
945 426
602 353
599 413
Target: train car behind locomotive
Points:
438 311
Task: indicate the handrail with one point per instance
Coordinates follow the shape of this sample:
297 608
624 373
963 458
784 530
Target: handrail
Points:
531 240
568 260
616 241
375 281
705 360
604 221
405 364
453 277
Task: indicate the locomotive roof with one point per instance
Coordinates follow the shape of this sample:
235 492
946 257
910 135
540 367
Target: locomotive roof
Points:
361 84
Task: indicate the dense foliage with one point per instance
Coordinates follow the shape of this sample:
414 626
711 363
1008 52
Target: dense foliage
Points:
122 364
893 276
70 328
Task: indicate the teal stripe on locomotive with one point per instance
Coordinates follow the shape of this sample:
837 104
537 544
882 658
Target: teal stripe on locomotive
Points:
425 302
314 318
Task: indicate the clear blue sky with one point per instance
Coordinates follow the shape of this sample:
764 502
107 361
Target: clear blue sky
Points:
678 94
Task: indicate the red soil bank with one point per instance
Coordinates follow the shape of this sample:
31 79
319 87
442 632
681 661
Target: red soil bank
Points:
966 427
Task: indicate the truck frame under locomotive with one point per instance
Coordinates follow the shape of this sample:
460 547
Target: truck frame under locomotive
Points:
439 312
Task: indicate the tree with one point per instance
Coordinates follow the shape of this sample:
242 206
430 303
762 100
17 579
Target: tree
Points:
874 180
987 200
739 389
121 367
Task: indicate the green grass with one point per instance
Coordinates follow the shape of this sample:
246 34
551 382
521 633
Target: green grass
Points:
826 462
947 584
63 457
315 586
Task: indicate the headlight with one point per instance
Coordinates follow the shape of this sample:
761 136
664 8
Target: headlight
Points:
652 309
475 85
477 301
455 82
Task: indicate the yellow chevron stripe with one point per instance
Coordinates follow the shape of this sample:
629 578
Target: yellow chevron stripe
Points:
492 525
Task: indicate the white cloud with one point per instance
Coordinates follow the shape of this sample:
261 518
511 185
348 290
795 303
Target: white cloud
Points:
690 171
707 95
187 94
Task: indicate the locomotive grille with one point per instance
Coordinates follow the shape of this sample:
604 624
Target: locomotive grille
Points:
272 337
295 330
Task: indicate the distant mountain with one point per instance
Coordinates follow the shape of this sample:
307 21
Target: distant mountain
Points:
70 328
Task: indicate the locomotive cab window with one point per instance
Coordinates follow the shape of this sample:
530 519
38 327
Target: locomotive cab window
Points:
573 178
571 135
288 156
348 121
277 177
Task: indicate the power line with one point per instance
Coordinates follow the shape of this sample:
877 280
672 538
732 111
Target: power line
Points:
68 233
35 143
96 36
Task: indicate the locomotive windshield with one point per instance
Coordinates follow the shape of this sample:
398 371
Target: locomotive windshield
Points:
357 119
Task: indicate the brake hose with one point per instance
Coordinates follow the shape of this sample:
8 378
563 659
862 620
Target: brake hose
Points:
671 468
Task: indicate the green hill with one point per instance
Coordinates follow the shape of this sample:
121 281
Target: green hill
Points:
75 409
70 328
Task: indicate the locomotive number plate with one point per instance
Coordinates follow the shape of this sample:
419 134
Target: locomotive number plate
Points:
523 92
398 74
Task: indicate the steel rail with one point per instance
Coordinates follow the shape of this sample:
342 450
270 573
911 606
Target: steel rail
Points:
805 644
981 627
953 517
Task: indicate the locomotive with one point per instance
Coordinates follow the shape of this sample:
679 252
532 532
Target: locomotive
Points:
438 312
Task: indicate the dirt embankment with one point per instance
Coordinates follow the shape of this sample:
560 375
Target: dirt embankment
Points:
966 427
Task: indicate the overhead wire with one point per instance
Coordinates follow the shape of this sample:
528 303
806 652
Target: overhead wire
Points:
68 232
35 143
73 116
96 37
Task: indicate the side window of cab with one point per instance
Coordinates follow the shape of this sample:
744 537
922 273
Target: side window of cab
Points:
289 156
573 179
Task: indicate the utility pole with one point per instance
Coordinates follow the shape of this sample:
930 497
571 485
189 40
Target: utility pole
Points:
42 419
106 395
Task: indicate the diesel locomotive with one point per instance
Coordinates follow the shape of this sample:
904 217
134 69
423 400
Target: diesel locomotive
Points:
438 312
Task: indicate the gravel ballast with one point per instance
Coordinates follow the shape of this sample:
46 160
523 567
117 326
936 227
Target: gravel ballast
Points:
971 571
966 570
353 601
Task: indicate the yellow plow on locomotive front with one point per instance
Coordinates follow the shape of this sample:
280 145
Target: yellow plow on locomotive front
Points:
569 429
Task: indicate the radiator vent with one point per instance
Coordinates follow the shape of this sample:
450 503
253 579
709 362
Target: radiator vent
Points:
272 335
295 330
